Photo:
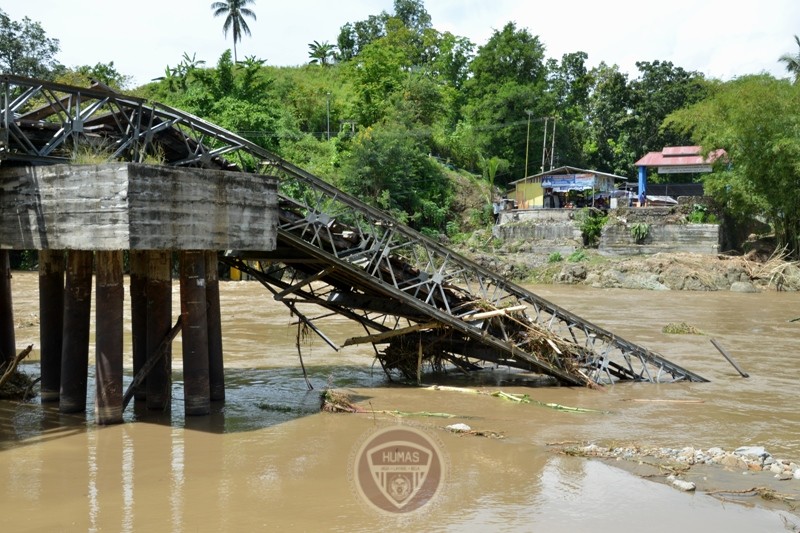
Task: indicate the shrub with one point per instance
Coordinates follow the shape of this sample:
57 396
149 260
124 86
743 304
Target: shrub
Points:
577 256
639 231
555 257
701 215
591 224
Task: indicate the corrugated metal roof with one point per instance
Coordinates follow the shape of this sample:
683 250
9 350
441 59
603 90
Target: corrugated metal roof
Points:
569 170
678 156
680 150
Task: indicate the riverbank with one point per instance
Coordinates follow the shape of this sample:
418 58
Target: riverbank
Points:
533 263
748 474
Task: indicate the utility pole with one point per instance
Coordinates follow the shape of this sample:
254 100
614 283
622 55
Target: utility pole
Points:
552 143
527 141
544 143
328 110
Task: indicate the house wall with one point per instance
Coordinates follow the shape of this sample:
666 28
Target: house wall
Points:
529 195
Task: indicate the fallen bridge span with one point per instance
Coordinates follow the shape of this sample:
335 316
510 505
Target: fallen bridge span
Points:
418 301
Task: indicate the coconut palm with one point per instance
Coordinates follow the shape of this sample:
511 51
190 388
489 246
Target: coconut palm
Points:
793 61
320 53
234 12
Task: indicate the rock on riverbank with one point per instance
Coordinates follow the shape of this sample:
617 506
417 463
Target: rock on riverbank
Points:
662 271
747 471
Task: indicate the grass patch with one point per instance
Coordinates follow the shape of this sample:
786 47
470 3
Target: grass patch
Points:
681 329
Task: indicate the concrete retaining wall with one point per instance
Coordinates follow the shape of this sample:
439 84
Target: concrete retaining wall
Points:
616 239
668 231
555 225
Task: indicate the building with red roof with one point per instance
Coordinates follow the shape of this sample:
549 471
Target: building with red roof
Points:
676 160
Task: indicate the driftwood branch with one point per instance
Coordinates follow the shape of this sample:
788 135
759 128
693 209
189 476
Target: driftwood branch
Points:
12 366
303 320
380 337
151 362
497 312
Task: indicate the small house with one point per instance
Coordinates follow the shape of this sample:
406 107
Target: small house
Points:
563 187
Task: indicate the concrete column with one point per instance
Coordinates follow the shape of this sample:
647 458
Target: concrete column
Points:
216 372
194 333
642 182
75 350
159 322
138 265
8 344
110 293
51 320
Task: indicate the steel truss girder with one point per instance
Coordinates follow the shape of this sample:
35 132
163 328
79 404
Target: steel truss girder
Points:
333 228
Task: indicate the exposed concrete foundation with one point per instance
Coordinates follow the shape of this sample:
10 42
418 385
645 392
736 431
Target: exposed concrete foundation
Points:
95 212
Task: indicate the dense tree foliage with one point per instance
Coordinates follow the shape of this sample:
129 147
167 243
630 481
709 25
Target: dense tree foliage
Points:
400 105
25 49
756 119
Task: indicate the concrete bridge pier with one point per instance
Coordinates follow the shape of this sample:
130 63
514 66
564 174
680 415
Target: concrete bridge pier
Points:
216 373
197 394
75 350
8 344
51 321
159 322
97 211
138 291
109 295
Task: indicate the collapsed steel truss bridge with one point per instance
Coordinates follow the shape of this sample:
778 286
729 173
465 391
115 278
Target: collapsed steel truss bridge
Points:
335 252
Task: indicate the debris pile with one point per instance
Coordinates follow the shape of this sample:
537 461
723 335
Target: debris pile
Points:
745 458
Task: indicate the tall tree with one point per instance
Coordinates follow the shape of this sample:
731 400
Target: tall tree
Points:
235 12
510 55
756 119
377 72
568 84
508 85
607 147
793 61
661 89
321 53
413 15
354 37
25 49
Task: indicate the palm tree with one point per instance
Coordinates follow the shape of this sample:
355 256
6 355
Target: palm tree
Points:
320 52
793 61
234 11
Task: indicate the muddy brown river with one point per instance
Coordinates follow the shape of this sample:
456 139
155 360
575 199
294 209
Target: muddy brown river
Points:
269 460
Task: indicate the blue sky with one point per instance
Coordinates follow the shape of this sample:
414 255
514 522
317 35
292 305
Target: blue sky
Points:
721 38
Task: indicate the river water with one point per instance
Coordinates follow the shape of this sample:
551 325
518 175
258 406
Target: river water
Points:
268 459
